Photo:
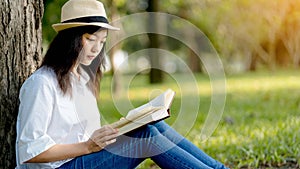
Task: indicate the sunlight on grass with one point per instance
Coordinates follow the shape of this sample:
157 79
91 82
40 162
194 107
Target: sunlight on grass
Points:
260 125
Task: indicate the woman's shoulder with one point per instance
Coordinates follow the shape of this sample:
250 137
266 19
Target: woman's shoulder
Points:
42 76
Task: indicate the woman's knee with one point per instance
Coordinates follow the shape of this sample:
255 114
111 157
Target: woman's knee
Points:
151 130
145 131
161 125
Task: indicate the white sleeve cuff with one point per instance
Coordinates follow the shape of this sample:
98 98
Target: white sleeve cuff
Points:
32 148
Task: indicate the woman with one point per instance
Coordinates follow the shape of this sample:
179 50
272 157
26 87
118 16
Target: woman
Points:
59 123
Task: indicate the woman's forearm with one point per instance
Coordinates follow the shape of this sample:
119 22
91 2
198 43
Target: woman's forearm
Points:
100 138
61 152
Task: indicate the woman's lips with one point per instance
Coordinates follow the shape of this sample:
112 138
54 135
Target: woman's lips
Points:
91 57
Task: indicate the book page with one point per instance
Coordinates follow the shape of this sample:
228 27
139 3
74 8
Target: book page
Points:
162 101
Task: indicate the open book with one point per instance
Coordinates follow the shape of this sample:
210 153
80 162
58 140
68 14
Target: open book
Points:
154 110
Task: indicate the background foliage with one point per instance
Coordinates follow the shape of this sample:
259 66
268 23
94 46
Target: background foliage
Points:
248 35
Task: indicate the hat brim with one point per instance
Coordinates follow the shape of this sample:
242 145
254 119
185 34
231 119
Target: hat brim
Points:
61 26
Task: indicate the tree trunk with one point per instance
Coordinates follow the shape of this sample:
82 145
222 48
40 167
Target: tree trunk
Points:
156 75
20 52
117 82
253 62
194 60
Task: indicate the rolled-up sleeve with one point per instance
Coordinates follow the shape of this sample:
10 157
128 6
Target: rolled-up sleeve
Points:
35 111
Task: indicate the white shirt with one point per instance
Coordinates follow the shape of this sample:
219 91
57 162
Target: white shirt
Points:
48 117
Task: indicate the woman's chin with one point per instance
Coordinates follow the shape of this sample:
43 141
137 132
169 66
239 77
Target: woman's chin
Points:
87 62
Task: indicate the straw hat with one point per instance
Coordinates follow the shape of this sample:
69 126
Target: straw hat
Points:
76 13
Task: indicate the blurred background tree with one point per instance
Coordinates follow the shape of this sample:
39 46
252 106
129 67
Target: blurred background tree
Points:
248 35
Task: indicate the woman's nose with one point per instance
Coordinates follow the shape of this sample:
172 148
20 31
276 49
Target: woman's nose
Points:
97 48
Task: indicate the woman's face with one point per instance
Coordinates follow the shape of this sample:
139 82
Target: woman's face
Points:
92 46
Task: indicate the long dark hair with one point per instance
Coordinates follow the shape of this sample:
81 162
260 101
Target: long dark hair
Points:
63 53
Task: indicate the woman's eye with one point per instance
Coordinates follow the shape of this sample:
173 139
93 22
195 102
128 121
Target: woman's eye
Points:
90 39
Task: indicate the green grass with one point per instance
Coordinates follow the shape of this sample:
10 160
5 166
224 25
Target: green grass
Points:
260 126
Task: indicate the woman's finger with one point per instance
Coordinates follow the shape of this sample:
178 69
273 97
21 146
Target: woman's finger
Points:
105 130
106 140
104 136
106 143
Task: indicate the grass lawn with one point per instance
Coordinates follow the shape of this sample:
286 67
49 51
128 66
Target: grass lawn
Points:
260 126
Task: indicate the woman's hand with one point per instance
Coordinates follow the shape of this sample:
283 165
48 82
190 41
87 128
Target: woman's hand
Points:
101 138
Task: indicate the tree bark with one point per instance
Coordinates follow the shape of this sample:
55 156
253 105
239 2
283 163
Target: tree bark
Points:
20 41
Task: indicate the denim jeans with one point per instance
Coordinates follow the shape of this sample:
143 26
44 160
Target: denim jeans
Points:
157 141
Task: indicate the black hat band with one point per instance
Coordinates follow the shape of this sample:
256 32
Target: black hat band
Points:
88 19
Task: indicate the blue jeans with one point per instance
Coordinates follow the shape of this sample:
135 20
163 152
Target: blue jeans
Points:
157 141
